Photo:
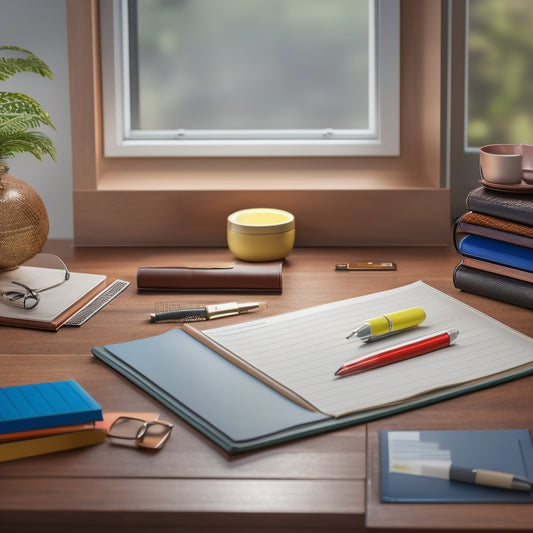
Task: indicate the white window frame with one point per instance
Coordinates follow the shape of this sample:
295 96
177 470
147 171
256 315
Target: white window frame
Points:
381 139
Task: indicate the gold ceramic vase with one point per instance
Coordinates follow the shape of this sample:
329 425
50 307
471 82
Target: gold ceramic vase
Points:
24 221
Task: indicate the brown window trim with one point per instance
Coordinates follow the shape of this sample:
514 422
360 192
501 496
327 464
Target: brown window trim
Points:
341 201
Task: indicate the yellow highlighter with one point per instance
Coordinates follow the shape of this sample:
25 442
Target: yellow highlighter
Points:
389 324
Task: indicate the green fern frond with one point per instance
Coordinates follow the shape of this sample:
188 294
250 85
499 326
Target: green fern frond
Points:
23 107
9 66
10 126
32 142
20 113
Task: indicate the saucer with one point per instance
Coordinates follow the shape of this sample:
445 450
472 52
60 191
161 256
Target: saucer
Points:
523 186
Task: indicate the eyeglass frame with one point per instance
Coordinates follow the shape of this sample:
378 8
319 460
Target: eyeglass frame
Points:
32 294
146 424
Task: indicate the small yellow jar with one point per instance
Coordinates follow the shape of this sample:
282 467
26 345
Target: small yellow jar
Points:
260 234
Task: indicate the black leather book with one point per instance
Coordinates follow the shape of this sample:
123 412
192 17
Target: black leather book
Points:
495 286
517 207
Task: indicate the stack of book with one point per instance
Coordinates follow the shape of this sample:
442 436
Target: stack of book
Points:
47 417
495 240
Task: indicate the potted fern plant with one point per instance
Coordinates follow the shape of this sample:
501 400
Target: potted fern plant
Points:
23 218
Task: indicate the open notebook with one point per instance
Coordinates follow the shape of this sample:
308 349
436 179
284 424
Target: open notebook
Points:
269 380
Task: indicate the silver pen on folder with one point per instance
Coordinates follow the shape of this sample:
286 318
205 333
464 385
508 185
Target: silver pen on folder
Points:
206 312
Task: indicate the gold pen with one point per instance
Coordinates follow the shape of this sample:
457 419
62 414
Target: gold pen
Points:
207 312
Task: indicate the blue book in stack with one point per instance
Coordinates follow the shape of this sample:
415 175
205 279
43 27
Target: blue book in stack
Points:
495 240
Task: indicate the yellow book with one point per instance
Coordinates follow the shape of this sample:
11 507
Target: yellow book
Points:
51 443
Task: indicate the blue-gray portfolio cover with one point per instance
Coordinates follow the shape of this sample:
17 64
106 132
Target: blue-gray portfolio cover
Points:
508 451
230 406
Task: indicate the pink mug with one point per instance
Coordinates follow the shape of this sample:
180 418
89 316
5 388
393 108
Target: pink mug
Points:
506 163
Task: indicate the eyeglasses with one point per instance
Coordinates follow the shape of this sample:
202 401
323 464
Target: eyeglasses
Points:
48 269
151 435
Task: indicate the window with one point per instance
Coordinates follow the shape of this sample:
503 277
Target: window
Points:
491 78
499 72
251 77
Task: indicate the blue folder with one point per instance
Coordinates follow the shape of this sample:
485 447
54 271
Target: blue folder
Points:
503 253
508 451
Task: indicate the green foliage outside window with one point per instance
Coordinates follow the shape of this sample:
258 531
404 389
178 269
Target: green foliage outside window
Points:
500 72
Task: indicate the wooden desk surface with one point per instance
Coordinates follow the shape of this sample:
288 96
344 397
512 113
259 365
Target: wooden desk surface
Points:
324 483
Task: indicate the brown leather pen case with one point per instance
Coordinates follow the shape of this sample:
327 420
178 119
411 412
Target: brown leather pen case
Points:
236 277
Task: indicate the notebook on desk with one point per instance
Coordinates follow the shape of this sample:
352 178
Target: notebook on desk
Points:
275 378
509 451
55 306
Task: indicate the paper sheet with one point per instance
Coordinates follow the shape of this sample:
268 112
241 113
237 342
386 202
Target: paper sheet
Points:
303 349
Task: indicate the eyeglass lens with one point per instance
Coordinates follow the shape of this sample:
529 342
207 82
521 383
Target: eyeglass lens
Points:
155 436
126 428
23 297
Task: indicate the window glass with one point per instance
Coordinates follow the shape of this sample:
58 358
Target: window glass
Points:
250 64
500 72
250 77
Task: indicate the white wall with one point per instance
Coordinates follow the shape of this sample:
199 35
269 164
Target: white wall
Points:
40 26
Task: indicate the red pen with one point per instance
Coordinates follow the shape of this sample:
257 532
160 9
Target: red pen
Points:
413 348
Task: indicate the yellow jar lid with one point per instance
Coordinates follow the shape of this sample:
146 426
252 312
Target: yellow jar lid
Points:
260 221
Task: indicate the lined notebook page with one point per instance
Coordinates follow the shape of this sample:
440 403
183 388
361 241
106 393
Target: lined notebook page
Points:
303 349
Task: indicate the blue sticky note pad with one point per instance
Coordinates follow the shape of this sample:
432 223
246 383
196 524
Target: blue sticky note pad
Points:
43 405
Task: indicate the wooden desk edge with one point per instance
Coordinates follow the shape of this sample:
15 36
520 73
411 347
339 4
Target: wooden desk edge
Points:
149 505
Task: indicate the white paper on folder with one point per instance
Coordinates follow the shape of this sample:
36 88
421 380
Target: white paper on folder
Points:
302 350
410 455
